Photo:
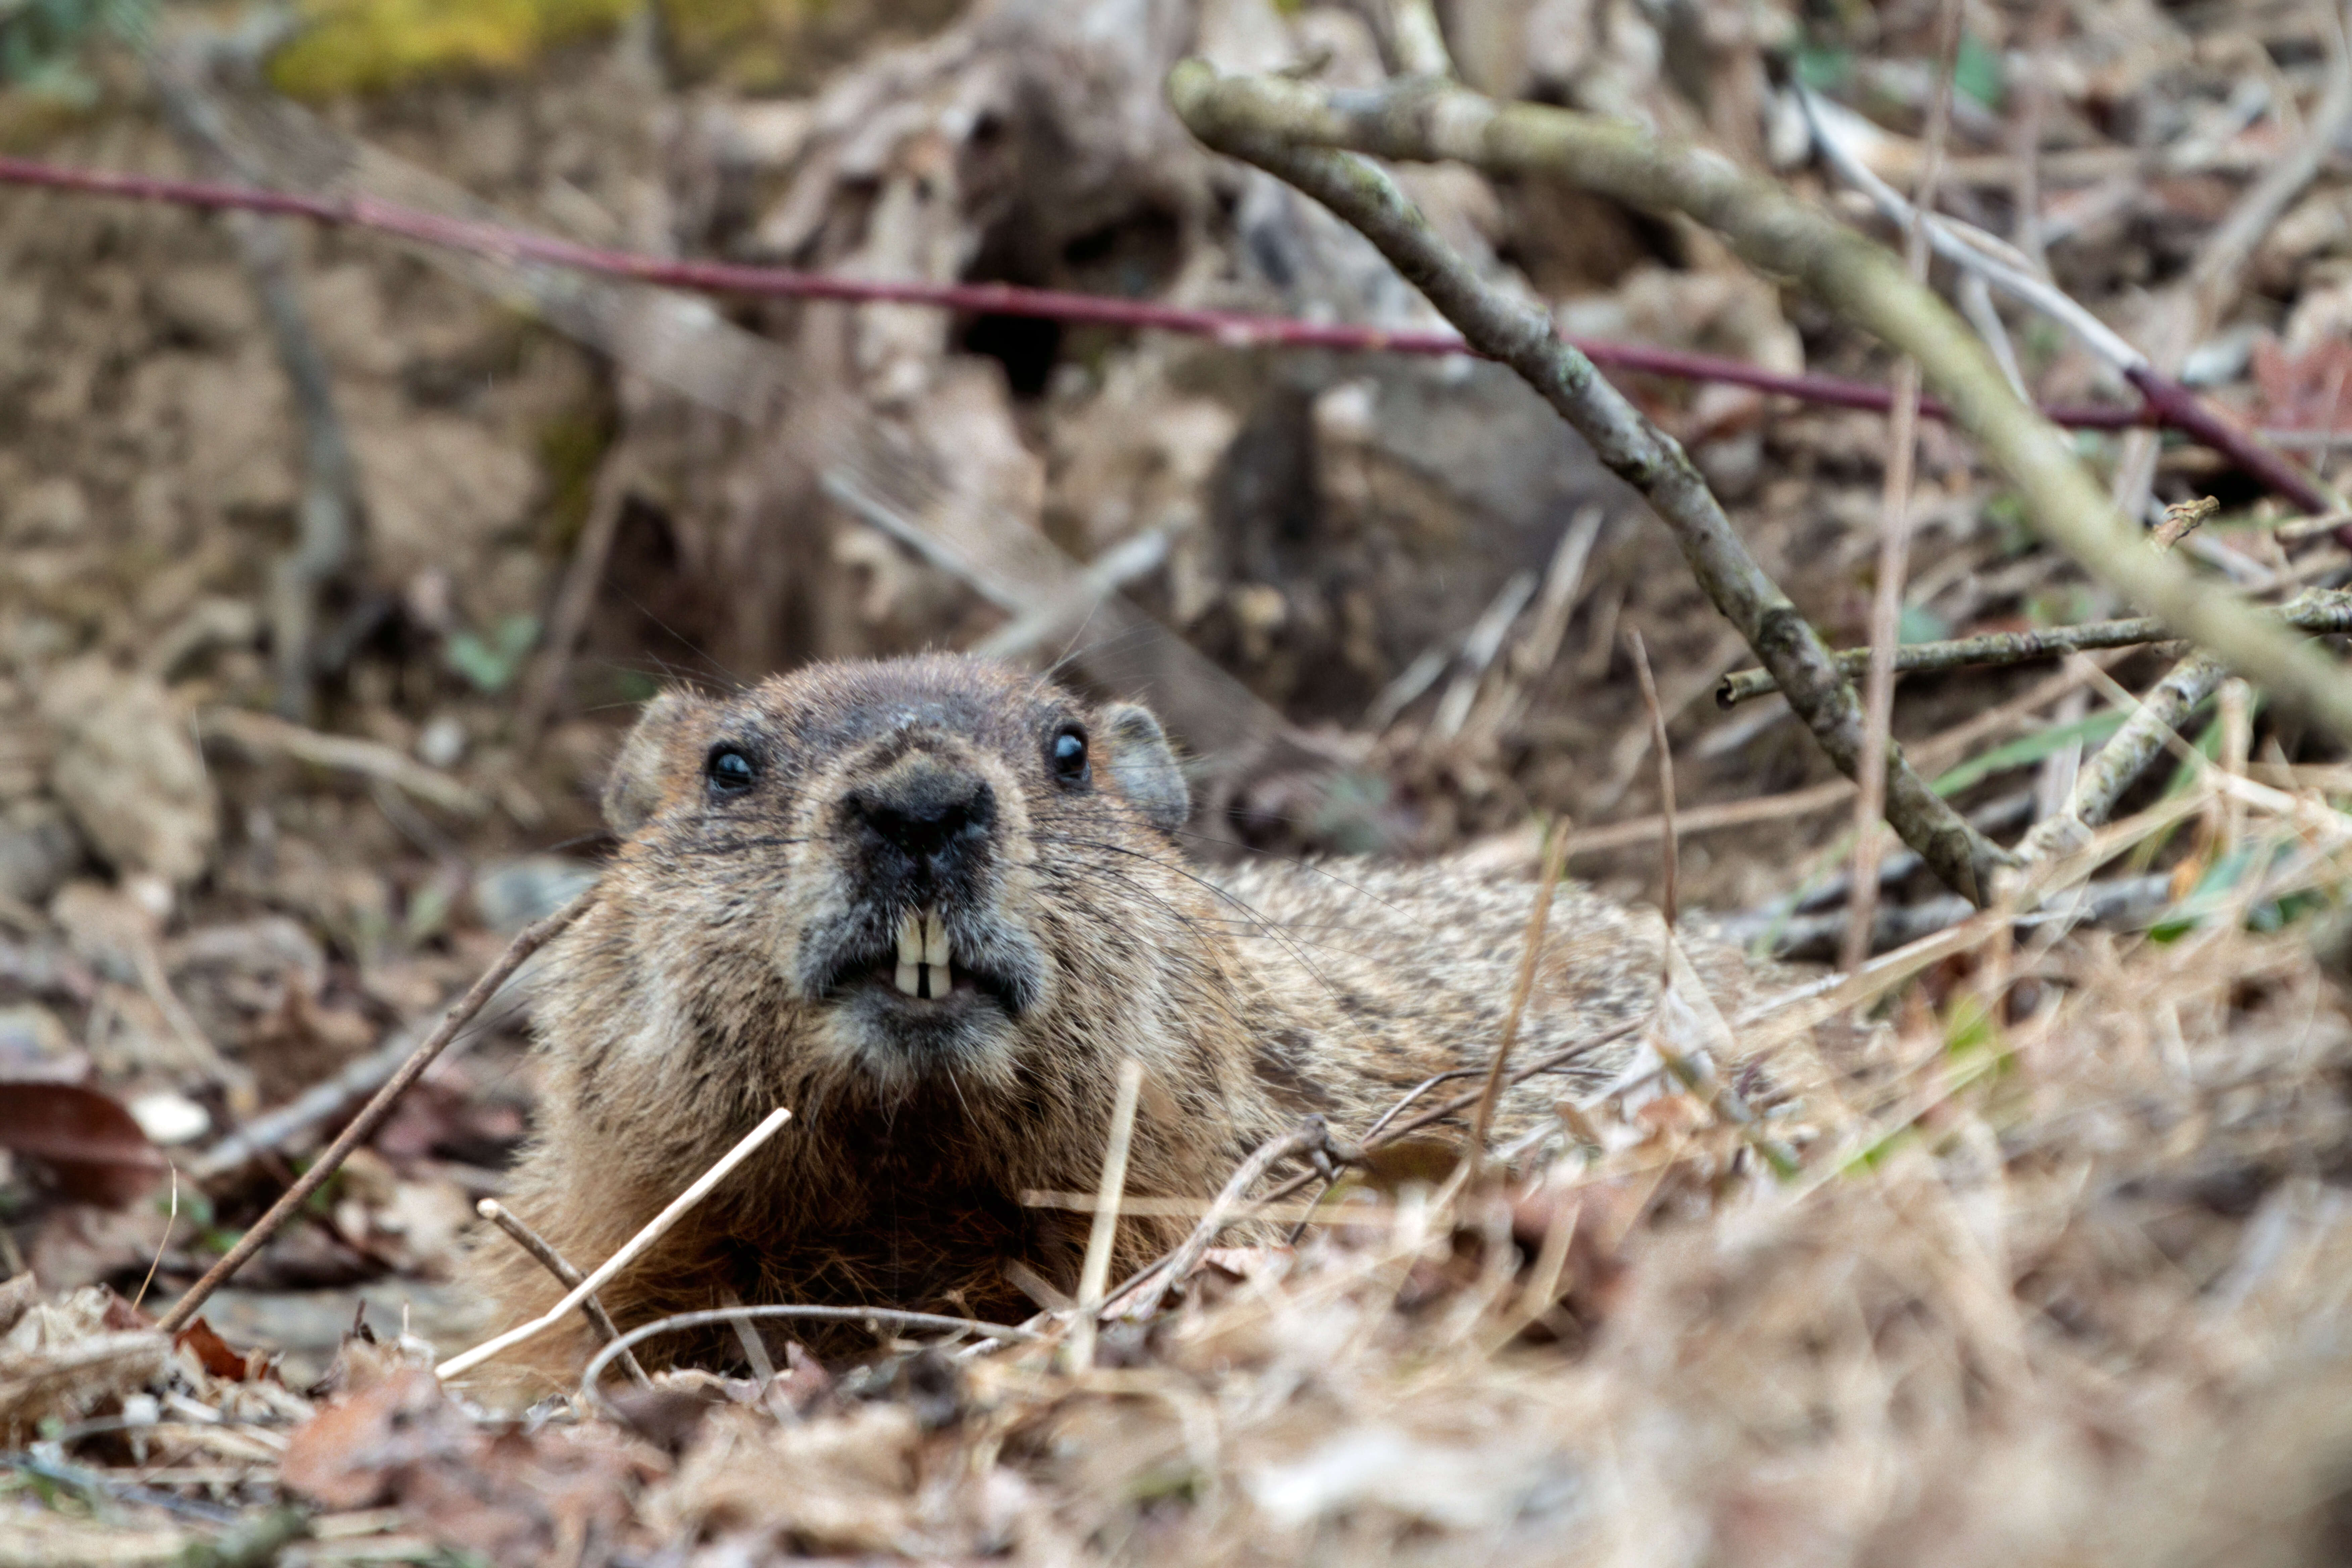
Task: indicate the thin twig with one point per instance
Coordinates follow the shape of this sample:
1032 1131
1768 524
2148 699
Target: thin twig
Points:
2103 780
555 1263
1894 525
1263 121
630 1251
527 940
605 1358
2323 612
259 734
328 516
1670 853
1965 248
2195 304
1523 987
1822 936
1095 1273
1238 328
1309 1134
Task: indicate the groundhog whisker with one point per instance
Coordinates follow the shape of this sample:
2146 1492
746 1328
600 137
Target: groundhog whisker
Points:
1252 920
1289 946
1323 871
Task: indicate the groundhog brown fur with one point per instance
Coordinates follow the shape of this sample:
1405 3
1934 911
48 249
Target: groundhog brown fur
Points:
930 904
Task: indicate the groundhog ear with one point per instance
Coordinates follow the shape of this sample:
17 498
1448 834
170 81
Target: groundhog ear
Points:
648 762
1145 766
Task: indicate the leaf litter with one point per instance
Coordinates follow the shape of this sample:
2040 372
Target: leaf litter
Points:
2060 1275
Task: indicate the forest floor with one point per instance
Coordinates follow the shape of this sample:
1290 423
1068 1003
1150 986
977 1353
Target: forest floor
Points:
2058 1270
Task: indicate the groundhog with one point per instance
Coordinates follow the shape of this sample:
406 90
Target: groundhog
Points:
930 904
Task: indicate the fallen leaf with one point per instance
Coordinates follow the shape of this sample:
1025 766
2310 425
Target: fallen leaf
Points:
506 1496
2305 391
87 1141
213 1354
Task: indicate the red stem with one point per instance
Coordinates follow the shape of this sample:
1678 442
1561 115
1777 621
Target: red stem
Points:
2167 403
2181 409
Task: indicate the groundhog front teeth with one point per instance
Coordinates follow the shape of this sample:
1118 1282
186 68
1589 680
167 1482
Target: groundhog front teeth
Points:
924 957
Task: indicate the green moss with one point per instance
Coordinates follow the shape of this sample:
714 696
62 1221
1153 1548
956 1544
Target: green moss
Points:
788 46
366 46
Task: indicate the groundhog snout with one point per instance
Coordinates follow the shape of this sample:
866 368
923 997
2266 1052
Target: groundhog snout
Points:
925 825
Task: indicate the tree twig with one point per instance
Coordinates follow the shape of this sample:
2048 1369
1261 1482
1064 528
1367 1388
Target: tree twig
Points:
2193 306
1309 1135
2116 766
527 940
1781 237
608 499
1821 936
705 1319
259 734
1964 247
2325 612
629 1252
555 1263
1263 121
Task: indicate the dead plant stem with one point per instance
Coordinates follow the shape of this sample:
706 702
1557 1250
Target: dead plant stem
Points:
1895 529
1531 962
629 1252
1095 1273
555 1263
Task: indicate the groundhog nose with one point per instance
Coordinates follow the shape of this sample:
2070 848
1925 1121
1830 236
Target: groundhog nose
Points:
930 813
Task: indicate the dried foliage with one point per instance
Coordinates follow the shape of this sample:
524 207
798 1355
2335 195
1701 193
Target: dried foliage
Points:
2025 1244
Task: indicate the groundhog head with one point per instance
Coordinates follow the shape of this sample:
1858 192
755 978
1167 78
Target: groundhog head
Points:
909 870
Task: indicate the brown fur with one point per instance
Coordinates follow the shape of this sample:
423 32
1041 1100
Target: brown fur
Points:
680 1008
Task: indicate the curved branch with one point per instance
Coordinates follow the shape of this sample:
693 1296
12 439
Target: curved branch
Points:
1521 336
2322 613
1772 232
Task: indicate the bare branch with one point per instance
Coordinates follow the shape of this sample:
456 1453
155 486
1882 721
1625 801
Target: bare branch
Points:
2324 612
555 1263
1256 120
1781 237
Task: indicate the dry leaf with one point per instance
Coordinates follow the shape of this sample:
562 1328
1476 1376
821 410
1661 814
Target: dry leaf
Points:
85 1138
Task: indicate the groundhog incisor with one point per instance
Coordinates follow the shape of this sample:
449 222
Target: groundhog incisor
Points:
930 904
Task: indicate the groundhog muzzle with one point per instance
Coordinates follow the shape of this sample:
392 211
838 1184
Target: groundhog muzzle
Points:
930 904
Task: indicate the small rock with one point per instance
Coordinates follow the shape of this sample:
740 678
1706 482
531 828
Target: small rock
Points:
442 742
39 850
208 307
168 1118
36 1048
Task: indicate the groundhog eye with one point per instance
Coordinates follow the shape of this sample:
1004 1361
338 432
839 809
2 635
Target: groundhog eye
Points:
730 771
1068 753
